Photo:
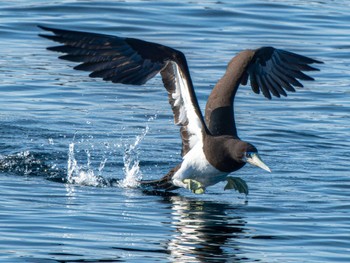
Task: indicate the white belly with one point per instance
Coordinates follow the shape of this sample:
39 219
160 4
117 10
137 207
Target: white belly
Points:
195 166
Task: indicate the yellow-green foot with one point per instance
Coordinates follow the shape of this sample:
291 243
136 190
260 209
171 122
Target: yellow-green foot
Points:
238 184
193 185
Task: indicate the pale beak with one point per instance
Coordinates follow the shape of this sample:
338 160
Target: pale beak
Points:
254 159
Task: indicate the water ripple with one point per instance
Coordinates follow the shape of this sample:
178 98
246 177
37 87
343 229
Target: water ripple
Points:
299 213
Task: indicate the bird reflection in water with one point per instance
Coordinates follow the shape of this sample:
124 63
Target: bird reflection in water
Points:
205 231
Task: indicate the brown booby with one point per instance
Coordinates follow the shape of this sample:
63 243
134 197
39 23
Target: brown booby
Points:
211 148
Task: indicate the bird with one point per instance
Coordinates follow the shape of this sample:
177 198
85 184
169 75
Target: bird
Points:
211 148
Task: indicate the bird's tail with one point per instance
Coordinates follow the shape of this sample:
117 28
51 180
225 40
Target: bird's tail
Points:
164 183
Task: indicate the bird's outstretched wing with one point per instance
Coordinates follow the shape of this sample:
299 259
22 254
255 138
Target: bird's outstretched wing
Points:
275 71
133 61
271 71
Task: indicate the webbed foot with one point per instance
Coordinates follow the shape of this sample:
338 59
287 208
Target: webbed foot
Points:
238 184
193 185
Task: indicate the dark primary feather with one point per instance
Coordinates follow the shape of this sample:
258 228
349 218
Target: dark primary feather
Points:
275 71
116 59
128 61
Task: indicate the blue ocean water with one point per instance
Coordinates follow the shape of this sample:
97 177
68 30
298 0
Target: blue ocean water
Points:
66 139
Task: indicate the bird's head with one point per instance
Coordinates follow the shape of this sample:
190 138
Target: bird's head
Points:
249 154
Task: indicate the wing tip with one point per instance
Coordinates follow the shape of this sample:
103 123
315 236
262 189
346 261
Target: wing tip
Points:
46 28
43 36
50 37
41 27
317 62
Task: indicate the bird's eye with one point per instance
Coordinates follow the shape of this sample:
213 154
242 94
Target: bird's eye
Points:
249 154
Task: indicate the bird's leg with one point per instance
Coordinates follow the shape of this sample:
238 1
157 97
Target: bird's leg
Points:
195 186
236 183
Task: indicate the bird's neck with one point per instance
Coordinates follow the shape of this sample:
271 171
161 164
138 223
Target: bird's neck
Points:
235 71
223 95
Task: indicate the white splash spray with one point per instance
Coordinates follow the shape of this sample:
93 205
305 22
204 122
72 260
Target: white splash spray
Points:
77 174
131 168
85 175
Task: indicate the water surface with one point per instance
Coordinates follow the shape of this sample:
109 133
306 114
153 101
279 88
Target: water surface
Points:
66 139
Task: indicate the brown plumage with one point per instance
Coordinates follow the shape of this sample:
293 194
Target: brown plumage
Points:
211 148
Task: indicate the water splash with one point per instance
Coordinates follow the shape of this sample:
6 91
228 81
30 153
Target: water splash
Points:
86 175
41 164
78 174
131 168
